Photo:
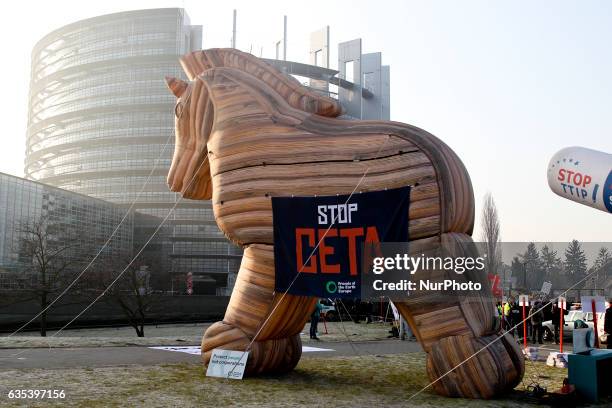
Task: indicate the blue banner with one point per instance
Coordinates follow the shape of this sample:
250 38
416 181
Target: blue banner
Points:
321 239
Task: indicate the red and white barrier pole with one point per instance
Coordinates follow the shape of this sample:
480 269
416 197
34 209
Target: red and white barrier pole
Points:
561 329
524 327
561 306
595 322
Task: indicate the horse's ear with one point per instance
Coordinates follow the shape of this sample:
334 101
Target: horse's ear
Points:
176 86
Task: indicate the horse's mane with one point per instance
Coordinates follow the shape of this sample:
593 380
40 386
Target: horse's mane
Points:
297 95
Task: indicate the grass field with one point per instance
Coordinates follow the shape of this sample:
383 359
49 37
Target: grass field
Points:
366 381
356 381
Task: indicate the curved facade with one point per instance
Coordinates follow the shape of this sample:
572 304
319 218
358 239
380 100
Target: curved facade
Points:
100 115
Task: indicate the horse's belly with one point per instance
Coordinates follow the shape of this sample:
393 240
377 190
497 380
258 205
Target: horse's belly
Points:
242 196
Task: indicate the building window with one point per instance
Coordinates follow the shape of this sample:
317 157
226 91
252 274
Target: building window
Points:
368 81
318 58
349 69
278 50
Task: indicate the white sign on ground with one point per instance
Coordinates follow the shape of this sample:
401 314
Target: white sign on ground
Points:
587 304
196 350
546 286
308 349
556 359
227 364
523 300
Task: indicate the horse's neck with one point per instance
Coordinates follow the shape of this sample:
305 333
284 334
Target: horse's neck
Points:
239 98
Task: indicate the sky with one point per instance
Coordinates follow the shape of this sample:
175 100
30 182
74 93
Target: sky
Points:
505 84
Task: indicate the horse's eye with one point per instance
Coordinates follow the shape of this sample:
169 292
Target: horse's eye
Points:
178 109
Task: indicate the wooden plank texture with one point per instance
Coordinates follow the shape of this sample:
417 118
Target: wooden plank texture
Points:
246 132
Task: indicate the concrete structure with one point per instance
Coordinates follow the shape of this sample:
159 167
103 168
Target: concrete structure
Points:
361 81
368 75
100 115
376 79
319 48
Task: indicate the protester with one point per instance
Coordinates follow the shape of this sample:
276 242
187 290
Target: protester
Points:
557 320
368 308
506 310
356 310
547 313
608 323
516 319
405 330
500 313
400 327
314 320
537 318
397 322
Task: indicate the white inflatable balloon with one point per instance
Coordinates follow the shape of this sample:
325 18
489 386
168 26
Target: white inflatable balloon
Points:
582 175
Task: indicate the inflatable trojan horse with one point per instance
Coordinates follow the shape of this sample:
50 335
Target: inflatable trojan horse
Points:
246 132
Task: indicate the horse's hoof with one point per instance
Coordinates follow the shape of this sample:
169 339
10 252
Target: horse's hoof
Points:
268 356
493 371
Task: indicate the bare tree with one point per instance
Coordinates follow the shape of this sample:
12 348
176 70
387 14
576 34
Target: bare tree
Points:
602 267
46 249
491 234
132 293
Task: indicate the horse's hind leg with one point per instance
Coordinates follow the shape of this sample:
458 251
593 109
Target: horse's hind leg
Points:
452 327
249 313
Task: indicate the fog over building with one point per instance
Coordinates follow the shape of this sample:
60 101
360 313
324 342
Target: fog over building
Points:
100 116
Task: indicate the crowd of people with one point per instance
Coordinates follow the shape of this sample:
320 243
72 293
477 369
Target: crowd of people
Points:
511 316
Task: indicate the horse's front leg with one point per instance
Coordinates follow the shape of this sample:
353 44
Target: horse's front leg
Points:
256 312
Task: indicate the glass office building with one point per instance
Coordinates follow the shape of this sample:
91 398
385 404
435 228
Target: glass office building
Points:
74 222
100 116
